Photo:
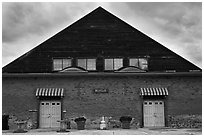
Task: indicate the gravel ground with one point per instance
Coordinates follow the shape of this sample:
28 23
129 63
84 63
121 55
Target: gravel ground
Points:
140 131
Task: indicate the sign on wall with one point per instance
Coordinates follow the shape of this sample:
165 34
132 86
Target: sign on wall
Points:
100 90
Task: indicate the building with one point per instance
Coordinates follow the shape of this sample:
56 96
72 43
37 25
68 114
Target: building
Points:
101 66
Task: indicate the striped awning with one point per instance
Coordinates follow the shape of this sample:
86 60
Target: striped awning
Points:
154 91
50 92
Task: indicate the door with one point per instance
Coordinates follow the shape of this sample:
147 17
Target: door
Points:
50 113
153 112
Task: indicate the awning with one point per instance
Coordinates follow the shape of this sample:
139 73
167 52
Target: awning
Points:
154 91
53 92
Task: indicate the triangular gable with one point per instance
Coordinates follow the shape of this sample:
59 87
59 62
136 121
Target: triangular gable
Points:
99 33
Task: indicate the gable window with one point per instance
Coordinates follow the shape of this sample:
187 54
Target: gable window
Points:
66 63
134 62
88 64
81 63
113 64
91 64
143 63
108 64
60 64
57 64
139 63
118 63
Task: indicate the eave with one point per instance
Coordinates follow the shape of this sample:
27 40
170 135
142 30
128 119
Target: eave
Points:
115 74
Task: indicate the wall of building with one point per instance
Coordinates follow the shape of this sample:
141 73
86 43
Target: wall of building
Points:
185 95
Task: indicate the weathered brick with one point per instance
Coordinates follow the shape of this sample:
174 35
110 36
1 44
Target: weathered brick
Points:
185 95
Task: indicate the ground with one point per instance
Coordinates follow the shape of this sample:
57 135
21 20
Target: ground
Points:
139 131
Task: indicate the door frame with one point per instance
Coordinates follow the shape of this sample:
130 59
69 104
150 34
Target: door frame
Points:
48 99
154 98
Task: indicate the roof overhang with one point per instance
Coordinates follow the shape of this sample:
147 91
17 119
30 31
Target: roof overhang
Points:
156 74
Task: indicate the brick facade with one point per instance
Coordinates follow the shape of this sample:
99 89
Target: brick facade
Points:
185 94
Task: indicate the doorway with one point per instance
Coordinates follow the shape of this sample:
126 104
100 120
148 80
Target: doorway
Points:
153 113
50 113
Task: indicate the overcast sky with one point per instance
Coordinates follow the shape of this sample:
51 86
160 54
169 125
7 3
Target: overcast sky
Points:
178 26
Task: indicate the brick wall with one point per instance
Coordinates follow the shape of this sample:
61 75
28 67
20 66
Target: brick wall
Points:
185 95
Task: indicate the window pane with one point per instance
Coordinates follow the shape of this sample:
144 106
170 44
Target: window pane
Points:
134 62
160 103
57 64
91 64
108 64
143 64
118 63
82 63
67 63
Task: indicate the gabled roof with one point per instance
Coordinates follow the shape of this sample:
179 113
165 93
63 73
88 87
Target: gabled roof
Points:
97 34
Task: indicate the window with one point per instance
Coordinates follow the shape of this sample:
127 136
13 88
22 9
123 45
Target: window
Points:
134 62
160 103
81 63
139 62
143 63
57 64
60 64
91 64
113 64
88 64
108 64
66 63
118 63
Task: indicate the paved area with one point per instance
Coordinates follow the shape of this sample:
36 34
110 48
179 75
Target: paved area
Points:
140 131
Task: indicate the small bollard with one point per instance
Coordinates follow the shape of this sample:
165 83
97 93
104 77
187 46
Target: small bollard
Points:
21 126
63 126
103 124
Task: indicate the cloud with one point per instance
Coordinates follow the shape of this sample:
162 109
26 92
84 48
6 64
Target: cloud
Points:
178 26
21 19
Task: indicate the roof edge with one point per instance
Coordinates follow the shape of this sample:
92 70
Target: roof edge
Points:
10 75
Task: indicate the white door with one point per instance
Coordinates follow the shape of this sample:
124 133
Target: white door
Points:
50 113
153 112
